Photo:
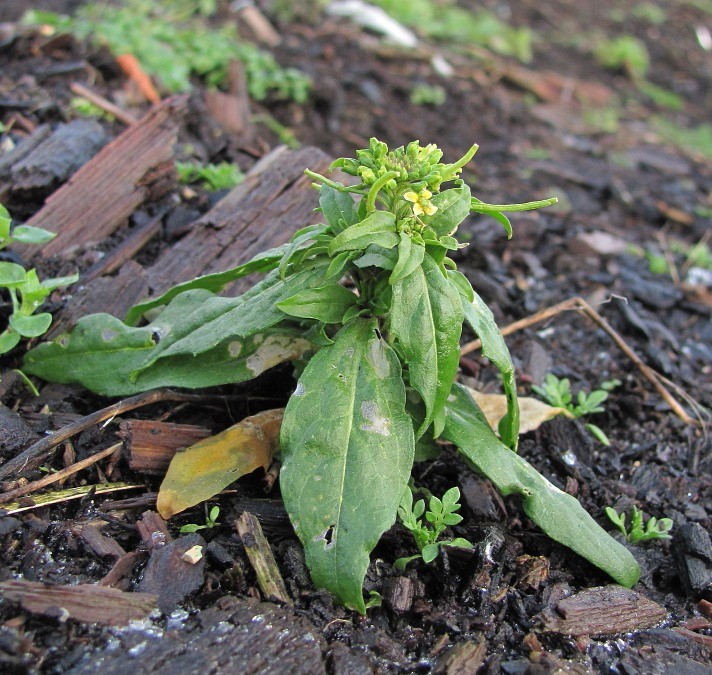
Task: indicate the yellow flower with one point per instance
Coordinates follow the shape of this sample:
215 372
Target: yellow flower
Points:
421 202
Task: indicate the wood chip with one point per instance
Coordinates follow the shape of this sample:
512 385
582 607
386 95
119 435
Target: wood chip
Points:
605 610
465 658
153 530
85 602
103 546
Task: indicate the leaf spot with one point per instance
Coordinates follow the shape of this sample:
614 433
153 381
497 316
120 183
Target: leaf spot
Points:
328 536
378 359
107 335
234 348
375 421
300 390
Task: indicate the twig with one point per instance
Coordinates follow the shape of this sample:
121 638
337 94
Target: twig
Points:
579 304
10 495
260 555
38 452
99 101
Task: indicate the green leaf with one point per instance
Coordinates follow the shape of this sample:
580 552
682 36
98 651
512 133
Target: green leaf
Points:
463 285
497 215
31 326
378 227
58 282
12 275
426 320
26 234
347 443
338 208
598 434
430 552
559 514
8 341
377 256
410 257
303 236
263 262
453 207
480 319
324 303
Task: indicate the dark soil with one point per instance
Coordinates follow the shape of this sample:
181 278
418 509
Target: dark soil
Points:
467 612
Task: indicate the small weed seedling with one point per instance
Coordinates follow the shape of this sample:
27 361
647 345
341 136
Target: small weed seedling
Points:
86 108
440 514
370 307
212 177
558 393
637 533
211 521
24 288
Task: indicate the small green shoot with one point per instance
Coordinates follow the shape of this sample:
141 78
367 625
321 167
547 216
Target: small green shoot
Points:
440 514
624 52
637 532
428 94
24 288
212 177
211 521
558 393
86 108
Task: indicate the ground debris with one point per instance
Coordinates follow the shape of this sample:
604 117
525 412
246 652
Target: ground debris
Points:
604 610
84 602
464 658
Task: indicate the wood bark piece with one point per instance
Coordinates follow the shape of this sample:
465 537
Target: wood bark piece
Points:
150 445
605 610
233 636
153 530
103 546
109 188
465 658
263 211
260 555
85 602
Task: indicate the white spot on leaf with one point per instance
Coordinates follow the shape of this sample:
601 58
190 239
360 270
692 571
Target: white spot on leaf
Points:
378 359
375 421
300 390
234 348
274 350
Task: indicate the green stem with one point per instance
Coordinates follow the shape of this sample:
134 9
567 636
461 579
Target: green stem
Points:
451 170
376 188
481 207
333 184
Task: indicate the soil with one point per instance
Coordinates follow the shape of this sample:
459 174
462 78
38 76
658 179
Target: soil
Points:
542 131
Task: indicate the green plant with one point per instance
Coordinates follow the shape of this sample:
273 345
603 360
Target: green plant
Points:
626 52
26 291
370 307
440 514
636 532
558 393
86 108
211 521
428 94
212 177
173 44
697 140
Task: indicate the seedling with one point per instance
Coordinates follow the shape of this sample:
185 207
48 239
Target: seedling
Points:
637 533
558 393
370 307
86 108
24 288
440 514
212 177
428 94
211 521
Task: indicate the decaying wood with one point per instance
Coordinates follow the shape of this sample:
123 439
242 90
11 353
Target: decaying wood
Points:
258 25
33 456
100 544
23 490
465 658
122 568
85 602
153 530
262 212
231 109
150 446
400 592
605 610
109 188
261 558
99 101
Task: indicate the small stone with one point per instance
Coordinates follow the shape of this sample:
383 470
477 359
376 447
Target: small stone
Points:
193 555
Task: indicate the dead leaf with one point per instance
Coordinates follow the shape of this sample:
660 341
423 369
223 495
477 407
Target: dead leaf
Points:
532 412
204 469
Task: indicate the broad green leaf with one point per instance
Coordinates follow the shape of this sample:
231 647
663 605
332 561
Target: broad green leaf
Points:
480 319
377 228
347 443
377 256
8 341
559 514
5 221
338 265
31 326
453 207
305 235
324 303
204 469
109 357
12 275
26 234
263 262
426 319
410 257
463 285
58 282
338 208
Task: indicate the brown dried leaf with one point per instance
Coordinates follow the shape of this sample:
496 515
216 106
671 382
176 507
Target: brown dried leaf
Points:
533 412
202 470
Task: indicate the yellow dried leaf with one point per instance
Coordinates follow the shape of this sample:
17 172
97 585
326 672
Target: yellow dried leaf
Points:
532 412
204 469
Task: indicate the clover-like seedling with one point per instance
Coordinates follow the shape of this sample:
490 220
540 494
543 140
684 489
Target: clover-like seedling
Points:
637 532
441 513
370 307
24 288
211 521
557 392
212 177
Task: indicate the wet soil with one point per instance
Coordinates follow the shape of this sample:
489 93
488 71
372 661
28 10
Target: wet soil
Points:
622 189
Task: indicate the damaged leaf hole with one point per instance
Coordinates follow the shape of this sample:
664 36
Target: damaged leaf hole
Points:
328 536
